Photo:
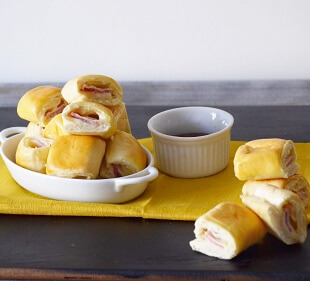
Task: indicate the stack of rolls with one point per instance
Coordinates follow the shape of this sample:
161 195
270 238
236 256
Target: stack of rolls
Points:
274 190
80 131
274 198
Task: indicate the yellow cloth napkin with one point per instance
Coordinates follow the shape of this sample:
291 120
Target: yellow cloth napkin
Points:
165 197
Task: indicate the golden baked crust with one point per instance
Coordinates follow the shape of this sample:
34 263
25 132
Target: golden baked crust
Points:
54 128
96 88
227 230
124 156
121 118
265 159
88 118
32 153
41 104
74 156
281 210
34 130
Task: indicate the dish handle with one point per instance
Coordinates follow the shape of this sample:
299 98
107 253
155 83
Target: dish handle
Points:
120 183
7 133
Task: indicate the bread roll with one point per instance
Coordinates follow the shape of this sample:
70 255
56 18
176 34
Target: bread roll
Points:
297 184
73 156
54 128
32 153
88 118
34 130
121 118
227 230
96 88
281 210
265 159
124 156
41 104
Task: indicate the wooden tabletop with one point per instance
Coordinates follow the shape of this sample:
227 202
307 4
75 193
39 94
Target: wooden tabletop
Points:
183 93
50 247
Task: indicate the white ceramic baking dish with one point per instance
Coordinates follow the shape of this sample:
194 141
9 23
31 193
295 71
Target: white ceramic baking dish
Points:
117 190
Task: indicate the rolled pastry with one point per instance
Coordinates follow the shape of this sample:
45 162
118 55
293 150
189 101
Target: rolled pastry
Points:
41 104
97 88
265 159
88 118
297 184
32 153
227 230
74 156
34 130
124 156
121 118
281 210
54 128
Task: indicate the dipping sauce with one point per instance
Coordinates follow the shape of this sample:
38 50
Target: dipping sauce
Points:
190 135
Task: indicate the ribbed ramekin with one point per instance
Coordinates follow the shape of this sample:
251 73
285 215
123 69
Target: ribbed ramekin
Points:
191 157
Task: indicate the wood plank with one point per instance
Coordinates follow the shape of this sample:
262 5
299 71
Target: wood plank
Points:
182 93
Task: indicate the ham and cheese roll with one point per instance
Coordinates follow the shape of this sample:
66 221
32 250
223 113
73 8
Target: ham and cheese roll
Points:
41 104
32 153
265 159
281 210
297 184
96 88
74 156
54 128
227 230
124 156
88 118
34 130
121 118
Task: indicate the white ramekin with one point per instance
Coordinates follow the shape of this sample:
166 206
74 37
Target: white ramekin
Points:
191 157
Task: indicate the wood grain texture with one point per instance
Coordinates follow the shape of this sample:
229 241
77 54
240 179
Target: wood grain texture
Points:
46 274
177 93
98 248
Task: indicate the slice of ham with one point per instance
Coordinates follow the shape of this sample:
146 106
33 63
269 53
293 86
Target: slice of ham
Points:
38 143
289 218
116 170
208 235
89 120
302 194
49 114
96 90
289 160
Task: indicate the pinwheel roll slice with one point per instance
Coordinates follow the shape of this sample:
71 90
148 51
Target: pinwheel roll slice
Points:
54 128
124 156
298 184
74 156
265 159
97 88
32 153
88 118
41 104
121 118
227 230
281 210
